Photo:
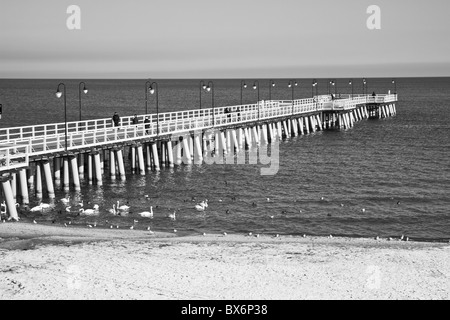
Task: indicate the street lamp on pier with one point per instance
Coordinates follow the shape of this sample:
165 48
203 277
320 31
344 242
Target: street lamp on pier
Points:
314 84
364 86
395 86
350 83
271 84
58 95
147 84
256 87
85 90
243 86
154 89
210 88
291 85
201 86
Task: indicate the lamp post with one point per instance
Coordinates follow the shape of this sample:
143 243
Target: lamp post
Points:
147 84
256 87
271 84
364 86
1 110
314 84
58 95
201 86
152 89
350 83
292 84
243 86
209 88
395 86
85 90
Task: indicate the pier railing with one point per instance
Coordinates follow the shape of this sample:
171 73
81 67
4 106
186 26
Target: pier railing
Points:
44 139
13 157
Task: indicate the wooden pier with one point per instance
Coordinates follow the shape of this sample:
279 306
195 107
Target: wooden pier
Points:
44 155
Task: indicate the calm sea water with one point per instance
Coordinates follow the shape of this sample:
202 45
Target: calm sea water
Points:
397 169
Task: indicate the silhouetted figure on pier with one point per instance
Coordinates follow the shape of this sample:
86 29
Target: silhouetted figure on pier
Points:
147 124
227 111
116 119
373 94
135 119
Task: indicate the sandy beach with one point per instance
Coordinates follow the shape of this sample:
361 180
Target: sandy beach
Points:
53 262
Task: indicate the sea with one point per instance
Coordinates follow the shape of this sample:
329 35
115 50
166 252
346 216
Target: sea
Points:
385 177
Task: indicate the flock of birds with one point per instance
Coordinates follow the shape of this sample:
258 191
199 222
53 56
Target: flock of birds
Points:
124 209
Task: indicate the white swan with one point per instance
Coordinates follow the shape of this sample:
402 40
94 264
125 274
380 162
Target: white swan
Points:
199 207
90 212
37 209
45 205
172 215
66 200
147 214
113 210
205 203
122 207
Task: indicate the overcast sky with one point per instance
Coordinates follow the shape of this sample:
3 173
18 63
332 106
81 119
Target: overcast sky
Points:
224 39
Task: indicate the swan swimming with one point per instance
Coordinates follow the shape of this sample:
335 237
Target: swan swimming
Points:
123 207
147 214
90 212
37 208
172 215
200 207
113 210
66 200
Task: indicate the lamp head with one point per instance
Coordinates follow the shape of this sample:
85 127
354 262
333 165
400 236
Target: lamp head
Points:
254 86
85 90
295 83
151 90
245 85
58 94
273 84
208 88
204 86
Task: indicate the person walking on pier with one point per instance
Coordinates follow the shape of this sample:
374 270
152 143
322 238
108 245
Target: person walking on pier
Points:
135 119
147 125
116 119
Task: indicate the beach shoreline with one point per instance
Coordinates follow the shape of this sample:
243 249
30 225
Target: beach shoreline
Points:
53 262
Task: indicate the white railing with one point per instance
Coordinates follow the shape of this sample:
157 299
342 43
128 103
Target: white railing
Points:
43 139
13 157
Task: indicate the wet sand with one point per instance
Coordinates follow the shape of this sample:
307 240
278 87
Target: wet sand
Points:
53 262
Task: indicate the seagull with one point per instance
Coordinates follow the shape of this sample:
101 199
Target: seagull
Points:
363 210
204 234
132 227
175 230
34 221
330 236
89 226
224 233
147 214
250 234
322 198
268 199
271 217
65 225
304 236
